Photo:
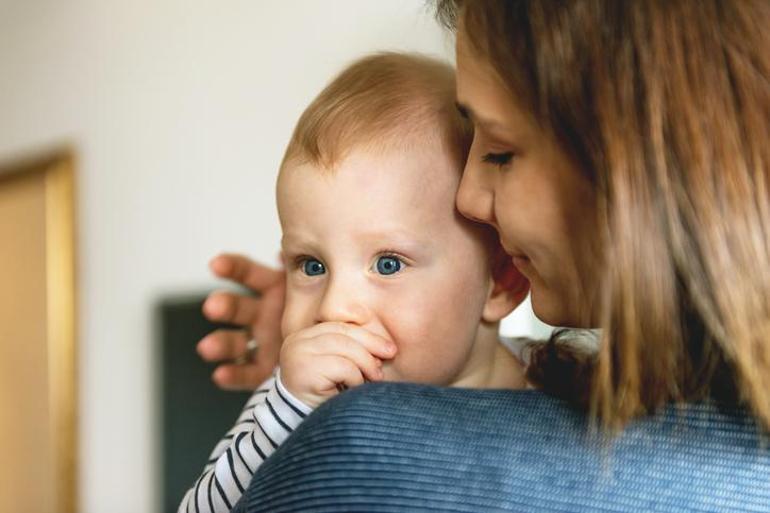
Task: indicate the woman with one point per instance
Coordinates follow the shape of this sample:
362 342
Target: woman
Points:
621 153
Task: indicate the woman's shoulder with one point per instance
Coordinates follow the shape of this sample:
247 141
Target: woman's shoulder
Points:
377 442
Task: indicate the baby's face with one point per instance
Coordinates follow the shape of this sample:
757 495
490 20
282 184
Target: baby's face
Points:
378 243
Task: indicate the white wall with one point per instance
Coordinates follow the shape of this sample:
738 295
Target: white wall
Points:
178 111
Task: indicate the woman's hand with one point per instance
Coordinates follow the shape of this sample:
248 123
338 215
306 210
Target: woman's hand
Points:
317 362
260 317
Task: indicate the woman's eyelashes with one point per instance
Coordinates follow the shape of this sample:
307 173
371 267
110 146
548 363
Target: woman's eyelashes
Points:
498 159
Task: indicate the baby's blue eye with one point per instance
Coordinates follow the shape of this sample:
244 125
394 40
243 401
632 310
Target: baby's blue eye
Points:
388 265
313 267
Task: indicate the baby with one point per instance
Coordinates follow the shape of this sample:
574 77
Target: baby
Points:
376 258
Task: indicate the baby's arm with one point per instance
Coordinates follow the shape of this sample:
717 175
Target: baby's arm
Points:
315 362
271 414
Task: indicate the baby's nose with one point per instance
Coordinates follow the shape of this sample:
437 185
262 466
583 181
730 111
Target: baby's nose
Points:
343 303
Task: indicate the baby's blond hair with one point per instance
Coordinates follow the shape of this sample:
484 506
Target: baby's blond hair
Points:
382 101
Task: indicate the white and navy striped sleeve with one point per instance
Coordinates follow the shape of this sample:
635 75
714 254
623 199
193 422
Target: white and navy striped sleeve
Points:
271 414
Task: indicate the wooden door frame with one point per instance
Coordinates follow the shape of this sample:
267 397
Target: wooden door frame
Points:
58 169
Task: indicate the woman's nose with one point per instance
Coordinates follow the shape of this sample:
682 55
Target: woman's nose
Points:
475 198
343 302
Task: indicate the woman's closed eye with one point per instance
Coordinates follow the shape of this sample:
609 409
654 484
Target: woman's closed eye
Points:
388 265
499 159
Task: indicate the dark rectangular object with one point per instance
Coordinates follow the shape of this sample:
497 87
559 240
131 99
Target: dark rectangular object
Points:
195 413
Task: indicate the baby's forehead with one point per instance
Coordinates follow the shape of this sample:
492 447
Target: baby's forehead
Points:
372 183
397 178
401 148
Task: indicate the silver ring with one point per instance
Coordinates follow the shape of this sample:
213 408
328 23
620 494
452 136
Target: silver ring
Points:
252 347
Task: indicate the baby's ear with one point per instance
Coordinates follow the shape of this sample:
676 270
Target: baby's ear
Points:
508 288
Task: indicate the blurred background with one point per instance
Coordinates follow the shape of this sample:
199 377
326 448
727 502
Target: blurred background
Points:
174 115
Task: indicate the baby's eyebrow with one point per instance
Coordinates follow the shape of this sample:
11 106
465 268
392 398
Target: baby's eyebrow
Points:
398 238
294 235
401 234
294 243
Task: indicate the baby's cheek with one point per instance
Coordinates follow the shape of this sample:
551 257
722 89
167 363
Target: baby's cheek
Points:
286 324
426 351
296 316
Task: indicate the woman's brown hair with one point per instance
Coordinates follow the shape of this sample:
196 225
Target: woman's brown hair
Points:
665 105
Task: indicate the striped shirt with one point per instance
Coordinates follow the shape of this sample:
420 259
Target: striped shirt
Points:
271 414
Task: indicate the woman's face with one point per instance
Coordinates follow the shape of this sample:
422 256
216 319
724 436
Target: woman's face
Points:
520 181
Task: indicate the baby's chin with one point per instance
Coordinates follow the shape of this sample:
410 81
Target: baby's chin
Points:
394 374
390 373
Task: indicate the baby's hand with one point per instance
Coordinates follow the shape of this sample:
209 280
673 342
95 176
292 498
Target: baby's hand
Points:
317 361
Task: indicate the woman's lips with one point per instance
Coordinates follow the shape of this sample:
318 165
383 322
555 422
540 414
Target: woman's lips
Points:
520 260
524 265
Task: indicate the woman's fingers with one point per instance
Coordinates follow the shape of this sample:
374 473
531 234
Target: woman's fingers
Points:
259 316
228 346
240 377
222 345
232 308
243 270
